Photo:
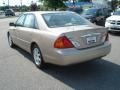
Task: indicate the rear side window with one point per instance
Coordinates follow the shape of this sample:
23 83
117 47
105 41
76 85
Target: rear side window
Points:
20 21
29 21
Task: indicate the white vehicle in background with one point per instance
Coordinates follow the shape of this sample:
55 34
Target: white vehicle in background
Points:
1 12
113 22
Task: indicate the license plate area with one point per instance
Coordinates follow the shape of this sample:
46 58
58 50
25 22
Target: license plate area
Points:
91 40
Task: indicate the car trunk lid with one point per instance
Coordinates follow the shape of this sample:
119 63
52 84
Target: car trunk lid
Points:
84 36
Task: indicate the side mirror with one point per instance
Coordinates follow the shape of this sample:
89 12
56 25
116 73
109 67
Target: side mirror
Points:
11 24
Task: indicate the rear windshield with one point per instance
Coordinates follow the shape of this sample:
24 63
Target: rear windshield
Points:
64 19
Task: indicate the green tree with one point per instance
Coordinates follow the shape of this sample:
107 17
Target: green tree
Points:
114 4
54 4
33 7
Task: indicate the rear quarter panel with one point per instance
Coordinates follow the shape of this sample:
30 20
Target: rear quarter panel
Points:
45 40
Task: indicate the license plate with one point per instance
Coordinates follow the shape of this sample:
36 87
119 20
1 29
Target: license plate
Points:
91 40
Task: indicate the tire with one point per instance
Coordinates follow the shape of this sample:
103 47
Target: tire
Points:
10 42
95 22
109 32
37 57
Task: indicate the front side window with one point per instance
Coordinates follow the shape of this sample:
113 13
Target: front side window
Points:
29 21
20 21
64 19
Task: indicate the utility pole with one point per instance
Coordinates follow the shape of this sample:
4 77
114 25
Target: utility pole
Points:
4 5
8 4
21 5
21 2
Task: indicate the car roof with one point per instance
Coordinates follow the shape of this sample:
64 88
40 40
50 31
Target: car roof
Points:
46 12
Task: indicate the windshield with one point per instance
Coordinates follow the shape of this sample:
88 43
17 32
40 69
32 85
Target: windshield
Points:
64 19
9 10
117 13
89 12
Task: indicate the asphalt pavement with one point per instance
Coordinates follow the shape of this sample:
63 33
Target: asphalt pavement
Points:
17 71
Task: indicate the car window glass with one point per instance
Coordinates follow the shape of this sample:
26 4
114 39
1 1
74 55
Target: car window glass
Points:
36 24
117 12
64 20
20 21
29 21
99 12
89 12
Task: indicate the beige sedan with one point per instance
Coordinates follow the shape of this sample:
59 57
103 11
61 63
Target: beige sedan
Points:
58 37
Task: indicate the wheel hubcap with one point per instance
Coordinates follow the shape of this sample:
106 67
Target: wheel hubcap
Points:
37 56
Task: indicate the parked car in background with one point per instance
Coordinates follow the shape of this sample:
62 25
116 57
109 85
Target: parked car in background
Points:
96 15
75 9
1 12
58 37
9 12
113 22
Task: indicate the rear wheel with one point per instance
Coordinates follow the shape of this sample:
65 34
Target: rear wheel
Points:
37 56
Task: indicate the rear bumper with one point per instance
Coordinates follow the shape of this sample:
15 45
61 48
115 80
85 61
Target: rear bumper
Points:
72 56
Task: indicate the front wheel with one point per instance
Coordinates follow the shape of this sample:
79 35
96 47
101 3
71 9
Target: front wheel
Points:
11 44
37 56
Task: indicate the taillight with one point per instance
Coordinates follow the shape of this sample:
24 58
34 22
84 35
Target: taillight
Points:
62 43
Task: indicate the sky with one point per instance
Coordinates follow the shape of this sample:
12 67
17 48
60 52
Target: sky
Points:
17 2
